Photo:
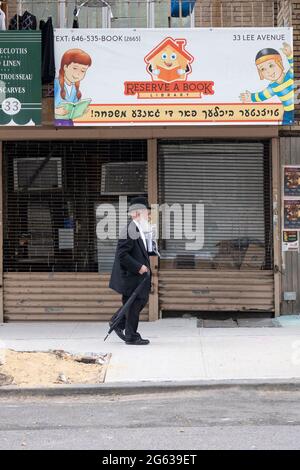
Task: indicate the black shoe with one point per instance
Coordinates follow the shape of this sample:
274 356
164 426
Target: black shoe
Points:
138 342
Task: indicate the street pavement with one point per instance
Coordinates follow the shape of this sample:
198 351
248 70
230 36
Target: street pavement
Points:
234 418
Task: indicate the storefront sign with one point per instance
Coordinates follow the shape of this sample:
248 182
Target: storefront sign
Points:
290 241
292 180
20 78
175 76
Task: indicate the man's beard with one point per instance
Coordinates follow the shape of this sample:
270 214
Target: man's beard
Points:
145 225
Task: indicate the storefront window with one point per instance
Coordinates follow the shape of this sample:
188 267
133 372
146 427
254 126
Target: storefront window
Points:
129 14
146 13
95 13
119 14
53 191
88 16
163 17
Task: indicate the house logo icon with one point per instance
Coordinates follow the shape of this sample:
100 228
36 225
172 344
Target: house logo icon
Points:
169 64
169 61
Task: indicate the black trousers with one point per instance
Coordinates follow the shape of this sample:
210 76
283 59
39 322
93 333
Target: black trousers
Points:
131 321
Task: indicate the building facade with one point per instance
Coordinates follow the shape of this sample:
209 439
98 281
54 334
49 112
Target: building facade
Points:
53 266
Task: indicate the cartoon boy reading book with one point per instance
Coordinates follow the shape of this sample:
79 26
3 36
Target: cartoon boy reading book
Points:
270 67
67 95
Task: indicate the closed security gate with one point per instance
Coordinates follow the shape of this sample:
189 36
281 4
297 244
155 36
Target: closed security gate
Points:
55 266
218 194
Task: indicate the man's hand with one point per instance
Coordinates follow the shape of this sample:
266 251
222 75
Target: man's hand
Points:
143 269
286 49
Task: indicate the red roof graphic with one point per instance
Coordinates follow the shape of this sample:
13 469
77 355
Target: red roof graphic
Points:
177 44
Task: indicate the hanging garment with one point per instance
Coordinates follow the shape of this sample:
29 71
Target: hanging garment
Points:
25 22
48 62
28 21
42 24
15 22
2 20
75 19
182 8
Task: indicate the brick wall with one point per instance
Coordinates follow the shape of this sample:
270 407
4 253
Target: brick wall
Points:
231 13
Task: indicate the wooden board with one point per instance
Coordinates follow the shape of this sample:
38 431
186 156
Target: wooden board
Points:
60 296
212 290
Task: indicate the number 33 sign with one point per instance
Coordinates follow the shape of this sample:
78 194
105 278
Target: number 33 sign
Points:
11 106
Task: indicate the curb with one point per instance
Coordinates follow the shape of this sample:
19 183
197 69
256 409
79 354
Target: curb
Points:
139 388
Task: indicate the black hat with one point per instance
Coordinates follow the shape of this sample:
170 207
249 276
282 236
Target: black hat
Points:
265 52
138 202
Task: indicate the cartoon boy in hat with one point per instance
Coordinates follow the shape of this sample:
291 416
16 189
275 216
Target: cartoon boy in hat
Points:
270 67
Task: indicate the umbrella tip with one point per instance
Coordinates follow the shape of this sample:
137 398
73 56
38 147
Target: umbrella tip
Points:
105 338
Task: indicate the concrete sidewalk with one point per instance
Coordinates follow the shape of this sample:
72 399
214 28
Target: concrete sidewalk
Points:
179 351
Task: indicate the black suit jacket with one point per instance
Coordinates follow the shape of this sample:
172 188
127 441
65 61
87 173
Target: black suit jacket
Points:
130 255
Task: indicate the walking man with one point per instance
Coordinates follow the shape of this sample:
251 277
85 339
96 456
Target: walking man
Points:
131 262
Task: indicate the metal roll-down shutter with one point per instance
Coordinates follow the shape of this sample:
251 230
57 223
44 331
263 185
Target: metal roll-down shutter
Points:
231 180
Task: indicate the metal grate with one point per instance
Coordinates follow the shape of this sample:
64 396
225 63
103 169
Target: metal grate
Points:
53 227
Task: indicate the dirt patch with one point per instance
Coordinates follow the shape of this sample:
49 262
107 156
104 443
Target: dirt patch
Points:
33 368
6 379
